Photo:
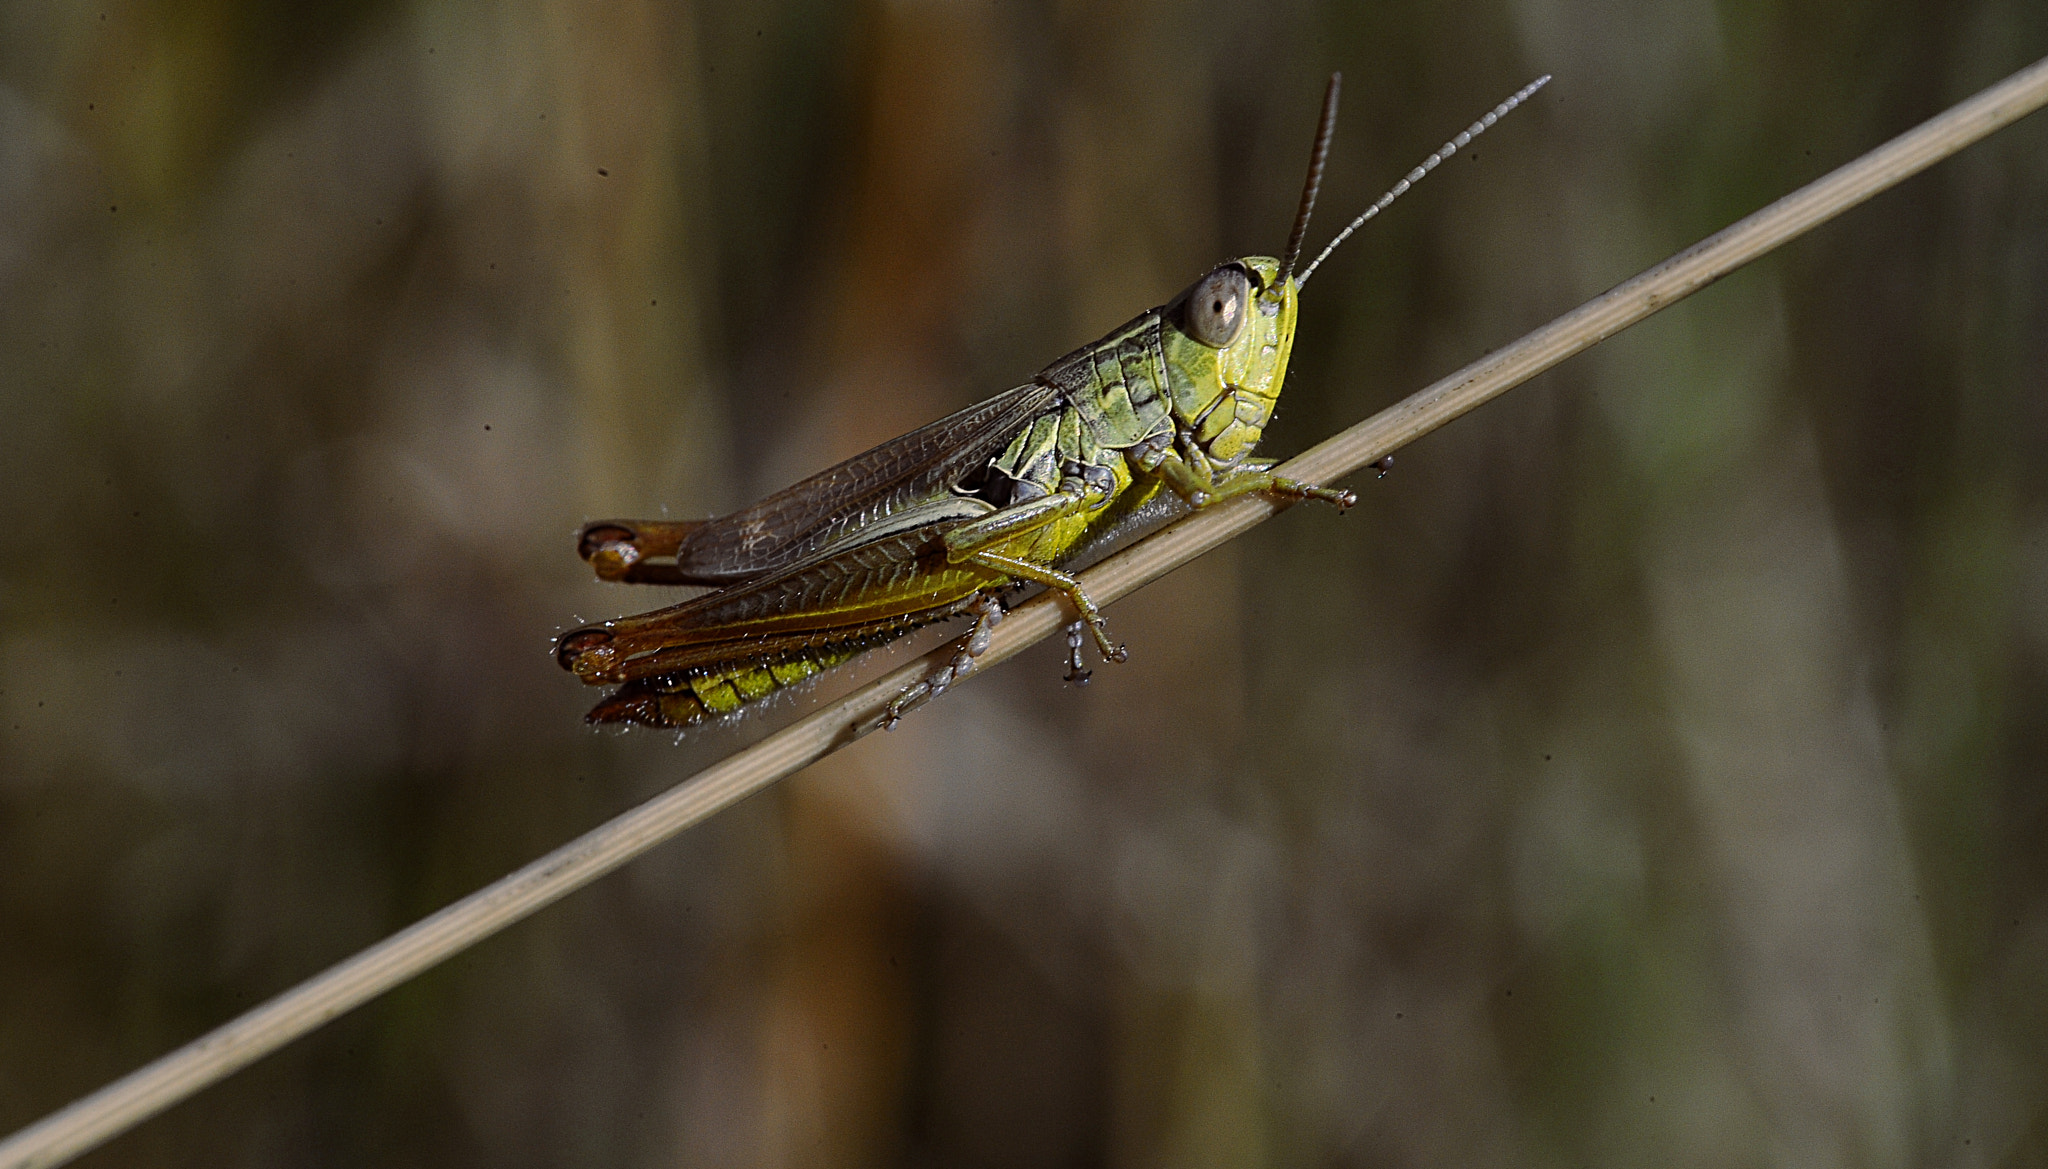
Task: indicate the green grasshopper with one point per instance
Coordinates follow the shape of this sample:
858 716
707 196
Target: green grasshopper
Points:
941 522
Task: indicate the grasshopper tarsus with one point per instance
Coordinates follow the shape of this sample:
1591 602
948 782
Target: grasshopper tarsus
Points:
1098 628
904 704
988 613
1111 651
1337 497
1077 636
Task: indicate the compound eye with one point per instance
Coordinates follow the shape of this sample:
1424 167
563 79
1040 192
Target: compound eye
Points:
1215 306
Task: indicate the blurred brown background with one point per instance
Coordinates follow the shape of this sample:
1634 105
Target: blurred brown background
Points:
1650 771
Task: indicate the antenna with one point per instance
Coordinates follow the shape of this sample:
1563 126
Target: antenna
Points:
1414 176
1325 127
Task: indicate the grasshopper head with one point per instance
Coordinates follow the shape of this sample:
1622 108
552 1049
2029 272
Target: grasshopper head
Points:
1227 341
1231 333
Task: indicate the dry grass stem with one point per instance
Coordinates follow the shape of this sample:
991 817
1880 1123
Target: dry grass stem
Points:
128 1101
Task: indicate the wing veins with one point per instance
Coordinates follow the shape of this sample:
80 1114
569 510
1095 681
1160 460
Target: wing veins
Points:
822 514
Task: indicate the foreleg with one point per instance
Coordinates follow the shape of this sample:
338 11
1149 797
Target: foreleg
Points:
1200 486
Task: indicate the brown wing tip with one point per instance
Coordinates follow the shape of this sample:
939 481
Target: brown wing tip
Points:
587 653
619 549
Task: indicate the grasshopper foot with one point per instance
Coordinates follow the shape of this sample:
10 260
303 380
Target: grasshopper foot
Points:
1077 674
1341 499
1111 651
988 613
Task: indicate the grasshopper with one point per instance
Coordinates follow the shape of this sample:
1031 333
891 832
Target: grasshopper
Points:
944 520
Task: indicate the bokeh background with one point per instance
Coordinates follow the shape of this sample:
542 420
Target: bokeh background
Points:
1650 771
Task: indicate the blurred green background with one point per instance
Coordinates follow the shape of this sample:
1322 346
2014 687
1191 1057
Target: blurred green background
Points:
1650 771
